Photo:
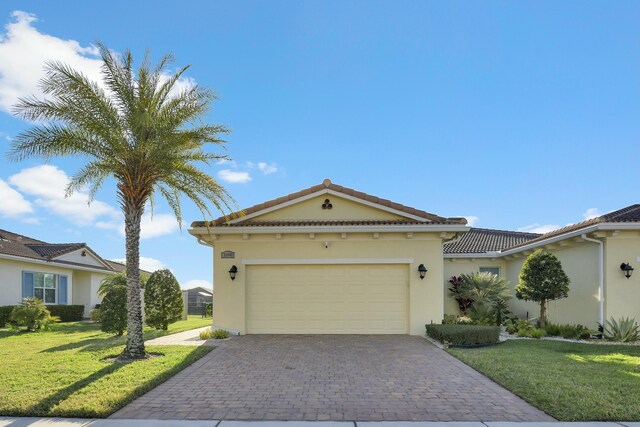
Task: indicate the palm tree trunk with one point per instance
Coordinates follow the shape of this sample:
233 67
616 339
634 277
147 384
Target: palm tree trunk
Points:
135 339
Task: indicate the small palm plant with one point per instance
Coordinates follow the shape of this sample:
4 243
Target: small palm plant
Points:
138 128
624 329
489 295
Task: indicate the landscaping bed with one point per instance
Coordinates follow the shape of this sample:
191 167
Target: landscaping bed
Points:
68 370
569 381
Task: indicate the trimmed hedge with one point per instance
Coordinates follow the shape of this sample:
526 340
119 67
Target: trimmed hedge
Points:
464 335
5 314
67 313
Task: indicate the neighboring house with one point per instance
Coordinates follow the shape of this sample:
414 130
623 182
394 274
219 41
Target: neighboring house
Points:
119 267
57 273
592 253
198 298
329 259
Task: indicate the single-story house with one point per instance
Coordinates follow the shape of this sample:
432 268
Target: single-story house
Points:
330 259
197 299
57 273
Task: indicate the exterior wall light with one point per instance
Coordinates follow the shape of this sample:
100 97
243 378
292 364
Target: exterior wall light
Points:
232 272
422 270
627 269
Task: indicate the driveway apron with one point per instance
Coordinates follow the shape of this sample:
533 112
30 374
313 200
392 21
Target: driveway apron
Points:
330 377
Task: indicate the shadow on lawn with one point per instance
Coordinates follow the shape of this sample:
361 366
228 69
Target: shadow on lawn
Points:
90 344
44 406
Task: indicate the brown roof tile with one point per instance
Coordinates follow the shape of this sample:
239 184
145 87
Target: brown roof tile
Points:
327 184
630 213
483 240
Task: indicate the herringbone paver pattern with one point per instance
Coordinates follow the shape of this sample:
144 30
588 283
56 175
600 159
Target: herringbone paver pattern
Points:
330 377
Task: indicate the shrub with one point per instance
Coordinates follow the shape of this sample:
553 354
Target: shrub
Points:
32 314
526 329
624 329
452 319
464 334
216 334
456 291
488 294
94 315
542 279
511 326
208 311
67 313
113 309
568 331
5 314
163 303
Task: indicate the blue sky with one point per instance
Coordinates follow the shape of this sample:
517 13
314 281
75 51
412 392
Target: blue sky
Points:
519 115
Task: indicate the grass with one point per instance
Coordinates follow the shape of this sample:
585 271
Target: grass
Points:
64 372
569 381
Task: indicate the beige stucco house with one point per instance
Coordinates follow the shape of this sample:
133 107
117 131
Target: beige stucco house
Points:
57 273
329 259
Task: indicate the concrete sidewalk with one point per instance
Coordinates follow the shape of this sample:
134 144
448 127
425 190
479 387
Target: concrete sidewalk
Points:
83 422
191 338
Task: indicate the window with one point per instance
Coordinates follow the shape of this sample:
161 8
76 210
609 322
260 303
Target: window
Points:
492 270
44 287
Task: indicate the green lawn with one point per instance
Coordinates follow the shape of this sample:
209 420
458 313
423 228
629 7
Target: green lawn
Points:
569 381
62 372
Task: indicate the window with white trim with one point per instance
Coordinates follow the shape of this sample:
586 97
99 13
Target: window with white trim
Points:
44 287
492 270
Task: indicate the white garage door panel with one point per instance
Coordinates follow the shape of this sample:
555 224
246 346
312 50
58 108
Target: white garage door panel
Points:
329 299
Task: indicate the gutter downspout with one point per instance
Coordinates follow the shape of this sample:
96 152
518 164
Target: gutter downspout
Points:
600 274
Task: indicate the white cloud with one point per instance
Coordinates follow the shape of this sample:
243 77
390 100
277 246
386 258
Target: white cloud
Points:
13 204
146 263
197 282
20 73
150 227
537 228
234 177
591 213
24 52
267 169
472 220
48 185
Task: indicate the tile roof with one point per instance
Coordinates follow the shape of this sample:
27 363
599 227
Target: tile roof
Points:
121 268
482 240
327 184
313 222
630 213
27 247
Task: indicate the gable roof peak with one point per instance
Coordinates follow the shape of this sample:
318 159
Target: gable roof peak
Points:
328 186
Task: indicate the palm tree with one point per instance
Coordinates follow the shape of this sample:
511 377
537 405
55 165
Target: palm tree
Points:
138 127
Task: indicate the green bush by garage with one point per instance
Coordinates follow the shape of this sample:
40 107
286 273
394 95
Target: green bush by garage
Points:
67 313
464 335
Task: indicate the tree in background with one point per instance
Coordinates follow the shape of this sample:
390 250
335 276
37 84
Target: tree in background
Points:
542 279
163 303
140 128
113 308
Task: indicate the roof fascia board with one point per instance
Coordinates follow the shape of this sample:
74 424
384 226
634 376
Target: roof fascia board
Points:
575 233
474 255
53 263
415 228
322 261
333 193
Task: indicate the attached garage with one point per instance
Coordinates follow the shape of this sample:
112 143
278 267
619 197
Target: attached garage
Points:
327 299
328 260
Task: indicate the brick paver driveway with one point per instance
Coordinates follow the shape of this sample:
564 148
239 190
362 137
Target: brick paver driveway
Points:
330 377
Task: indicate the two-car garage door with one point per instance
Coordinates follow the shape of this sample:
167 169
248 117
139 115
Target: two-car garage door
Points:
327 299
